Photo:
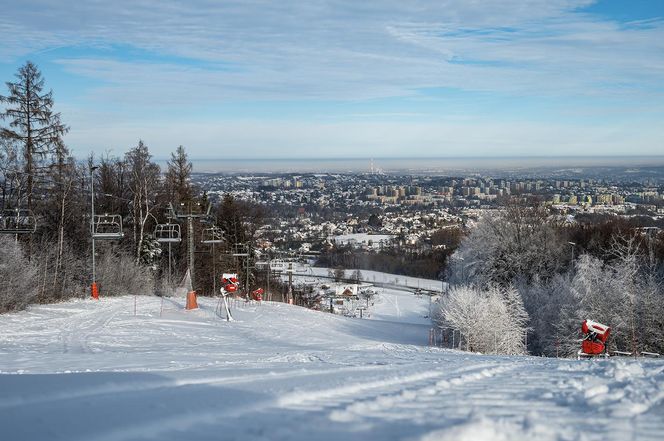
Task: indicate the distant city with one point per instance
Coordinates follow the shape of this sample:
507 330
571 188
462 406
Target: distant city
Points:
312 210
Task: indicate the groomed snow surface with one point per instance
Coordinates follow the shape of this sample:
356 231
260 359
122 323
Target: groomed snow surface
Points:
86 370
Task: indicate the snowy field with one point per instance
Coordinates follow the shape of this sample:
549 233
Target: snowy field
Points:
95 371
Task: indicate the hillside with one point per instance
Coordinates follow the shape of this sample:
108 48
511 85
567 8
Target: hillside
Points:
95 371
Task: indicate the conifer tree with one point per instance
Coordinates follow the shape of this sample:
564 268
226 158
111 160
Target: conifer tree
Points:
178 177
32 123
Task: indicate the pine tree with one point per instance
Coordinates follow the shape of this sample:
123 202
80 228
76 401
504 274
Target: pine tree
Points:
32 123
178 177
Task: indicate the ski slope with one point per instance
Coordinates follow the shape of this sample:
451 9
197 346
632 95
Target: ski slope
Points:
369 277
86 370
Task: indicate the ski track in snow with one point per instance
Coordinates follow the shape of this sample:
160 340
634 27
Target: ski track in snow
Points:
94 371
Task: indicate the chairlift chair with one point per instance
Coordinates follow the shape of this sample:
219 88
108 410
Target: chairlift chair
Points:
17 221
277 265
213 235
310 282
301 269
261 264
165 233
107 227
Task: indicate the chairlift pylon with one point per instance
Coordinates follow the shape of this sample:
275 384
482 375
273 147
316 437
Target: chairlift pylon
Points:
165 233
107 227
17 221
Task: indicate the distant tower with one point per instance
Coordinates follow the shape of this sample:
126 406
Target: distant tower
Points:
372 167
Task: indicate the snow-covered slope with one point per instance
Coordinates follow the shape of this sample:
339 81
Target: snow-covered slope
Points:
369 277
280 372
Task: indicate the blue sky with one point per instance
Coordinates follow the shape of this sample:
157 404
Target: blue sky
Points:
343 78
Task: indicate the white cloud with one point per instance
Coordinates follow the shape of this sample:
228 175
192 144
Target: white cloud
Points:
342 51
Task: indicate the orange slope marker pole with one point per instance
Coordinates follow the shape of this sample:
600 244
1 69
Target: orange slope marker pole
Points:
191 300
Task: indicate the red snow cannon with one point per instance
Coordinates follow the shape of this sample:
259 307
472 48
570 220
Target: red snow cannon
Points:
257 294
229 284
595 336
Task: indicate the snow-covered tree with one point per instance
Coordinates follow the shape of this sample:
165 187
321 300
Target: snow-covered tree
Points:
508 245
144 179
17 276
624 293
491 320
151 252
545 301
357 276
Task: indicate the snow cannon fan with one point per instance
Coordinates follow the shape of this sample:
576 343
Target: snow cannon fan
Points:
595 336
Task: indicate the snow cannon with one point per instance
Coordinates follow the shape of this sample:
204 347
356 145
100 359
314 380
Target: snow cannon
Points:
257 294
230 287
229 284
595 336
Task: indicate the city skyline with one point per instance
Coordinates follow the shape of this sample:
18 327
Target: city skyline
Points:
342 80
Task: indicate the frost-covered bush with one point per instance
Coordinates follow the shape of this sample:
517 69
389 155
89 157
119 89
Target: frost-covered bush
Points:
61 273
623 293
490 320
119 274
18 277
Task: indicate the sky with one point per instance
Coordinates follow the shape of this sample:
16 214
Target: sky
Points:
346 78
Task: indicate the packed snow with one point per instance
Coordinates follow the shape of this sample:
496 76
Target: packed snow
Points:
134 368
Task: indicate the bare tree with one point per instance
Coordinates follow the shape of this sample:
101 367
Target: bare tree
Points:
143 186
339 274
12 184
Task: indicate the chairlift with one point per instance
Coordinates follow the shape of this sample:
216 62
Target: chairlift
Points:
107 227
261 264
213 235
310 282
301 269
277 265
165 233
17 221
